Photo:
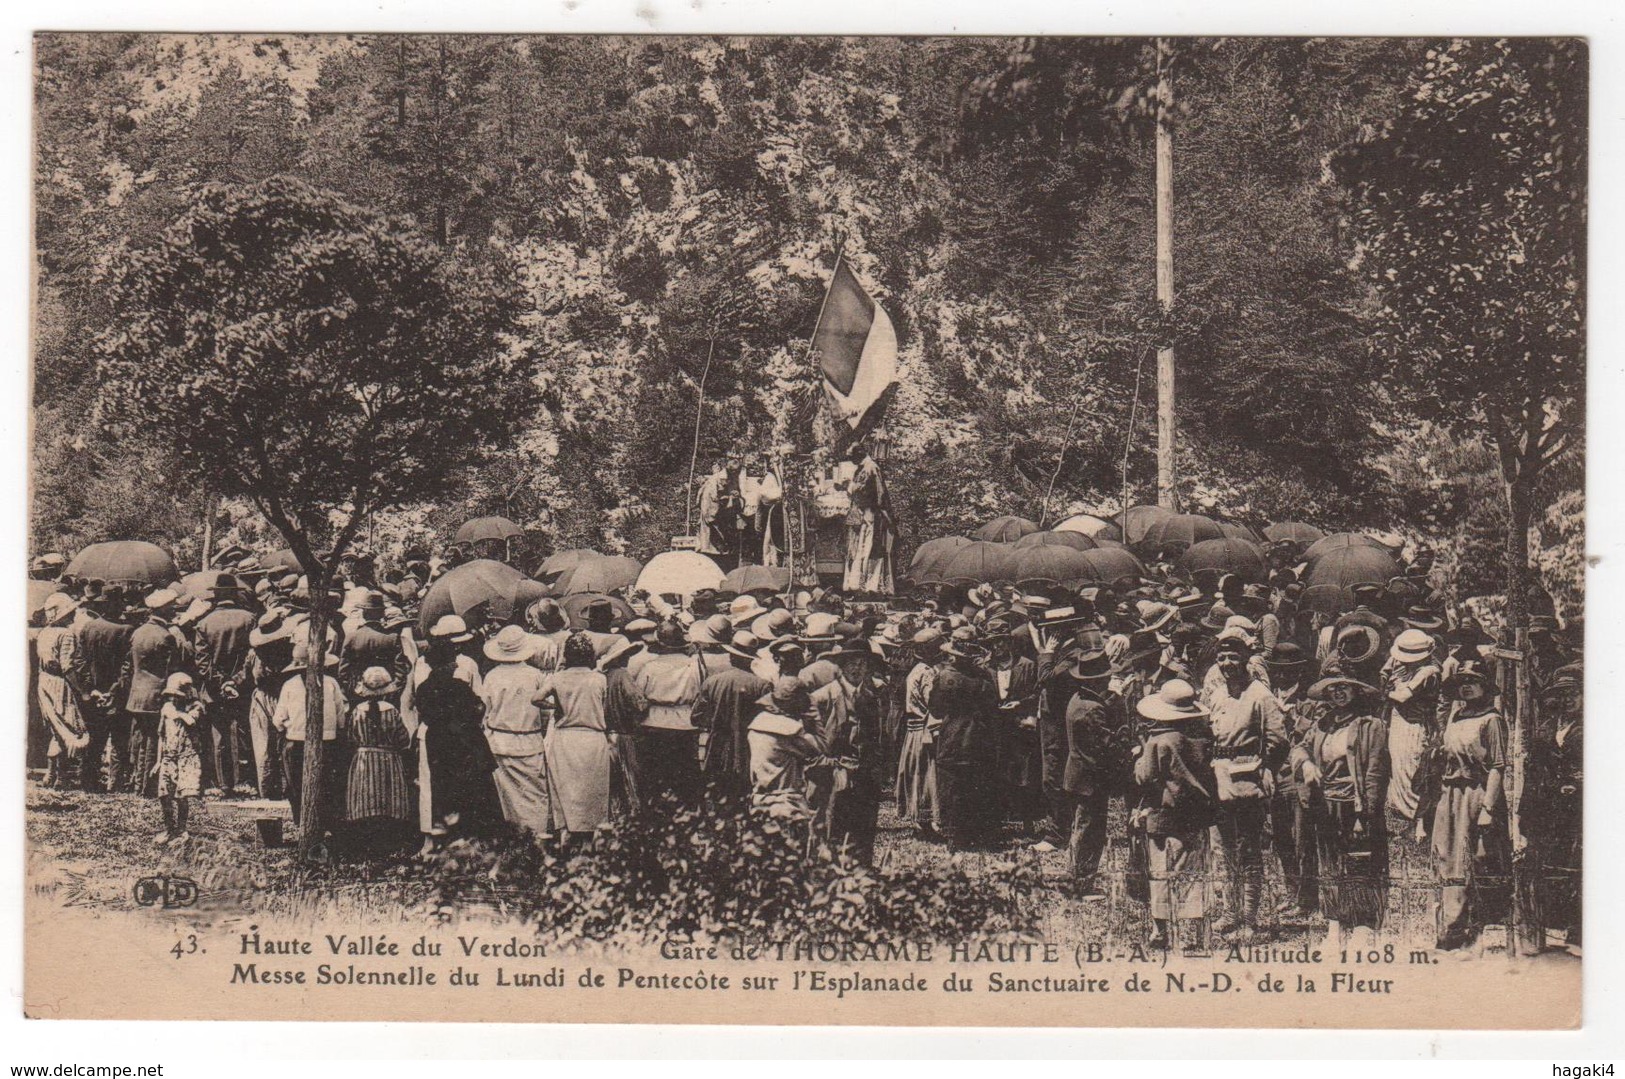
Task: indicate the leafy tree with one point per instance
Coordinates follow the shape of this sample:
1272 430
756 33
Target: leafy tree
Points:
1469 206
315 358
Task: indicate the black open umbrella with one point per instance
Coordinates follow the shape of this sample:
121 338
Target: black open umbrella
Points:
488 528
1340 541
1237 556
125 562
1005 529
483 586
1077 541
926 565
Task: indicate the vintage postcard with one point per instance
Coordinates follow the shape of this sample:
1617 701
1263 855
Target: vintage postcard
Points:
1052 531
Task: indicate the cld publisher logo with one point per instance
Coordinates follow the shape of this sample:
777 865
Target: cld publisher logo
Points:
165 891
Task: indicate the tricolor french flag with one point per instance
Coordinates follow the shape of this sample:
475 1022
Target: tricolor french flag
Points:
857 350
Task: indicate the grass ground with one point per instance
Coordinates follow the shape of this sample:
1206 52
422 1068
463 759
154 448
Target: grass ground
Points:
91 849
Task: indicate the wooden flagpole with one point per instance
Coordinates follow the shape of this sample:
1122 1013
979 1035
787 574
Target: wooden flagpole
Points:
694 456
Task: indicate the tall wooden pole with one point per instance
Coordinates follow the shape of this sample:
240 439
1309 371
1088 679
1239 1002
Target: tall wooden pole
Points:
694 457
1167 436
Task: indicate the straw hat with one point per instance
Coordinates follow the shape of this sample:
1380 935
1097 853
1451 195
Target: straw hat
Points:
745 608
451 629
272 626
376 682
820 627
1357 643
1317 692
744 644
962 643
775 623
789 697
1175 702
1217 617
59 605
511 645
161 600
1411 646
621 649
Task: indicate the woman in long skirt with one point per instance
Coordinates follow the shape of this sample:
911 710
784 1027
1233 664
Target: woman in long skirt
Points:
57 649
1413 703
450 714
1470 838
377 797
1342 770
515 728
579 753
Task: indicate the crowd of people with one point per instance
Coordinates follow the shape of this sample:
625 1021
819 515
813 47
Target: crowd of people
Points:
1216 721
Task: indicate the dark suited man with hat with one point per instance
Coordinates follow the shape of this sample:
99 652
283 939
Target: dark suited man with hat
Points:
1056 686
370 645
222 658
103 682
964 701
1096 760
728 701
845 784
157 650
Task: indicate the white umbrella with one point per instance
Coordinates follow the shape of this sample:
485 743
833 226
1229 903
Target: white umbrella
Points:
679 573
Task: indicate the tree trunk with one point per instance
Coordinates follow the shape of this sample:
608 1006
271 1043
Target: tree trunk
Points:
313 822
1167 432
1529 933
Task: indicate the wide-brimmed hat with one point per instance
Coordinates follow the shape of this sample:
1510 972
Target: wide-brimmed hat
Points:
1154 615
1253 597
1285 656
1233 640
1174 702
775 623
1411 646
395 620
1216 617
928 639
179 684
962 643
451 629
546 615
371 605
1358 643
1055 617
58 605
745 608
1471 670
1569 676
789 697
744 644
641 628
1317 691
1423 617
820 627
511 645
376 682
161 600
1368 593
621 649
699 632
271 626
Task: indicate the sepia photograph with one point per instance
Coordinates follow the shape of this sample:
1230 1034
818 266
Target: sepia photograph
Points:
999 531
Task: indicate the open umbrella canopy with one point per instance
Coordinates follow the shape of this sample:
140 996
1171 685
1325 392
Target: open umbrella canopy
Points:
1327 589
1077 541
284 559
1140 518
1232 530
1178 532
1088 524
575 609
757 579
125 562
981 562
481 587
1052 564
679 573
929 557
1237 556
1293 532
557 563
1340 541
1005 529
605 573
1113 564
1115 544
488 528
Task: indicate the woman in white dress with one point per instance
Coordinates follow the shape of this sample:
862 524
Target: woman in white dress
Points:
579 745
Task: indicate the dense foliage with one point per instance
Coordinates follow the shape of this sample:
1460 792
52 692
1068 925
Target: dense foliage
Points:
659 198
716 871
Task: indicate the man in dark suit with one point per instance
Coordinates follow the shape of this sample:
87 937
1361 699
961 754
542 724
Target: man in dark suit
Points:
104 644
222 659
369 645
157 650
1094 743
